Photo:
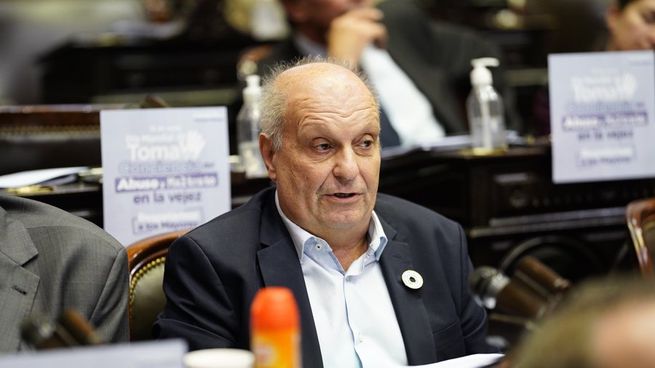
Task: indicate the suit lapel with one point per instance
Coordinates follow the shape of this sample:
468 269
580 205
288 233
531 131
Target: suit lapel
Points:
18 286
408 303
279 265
431 81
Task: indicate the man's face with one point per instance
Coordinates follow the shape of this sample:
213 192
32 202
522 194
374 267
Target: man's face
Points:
633 28
328 166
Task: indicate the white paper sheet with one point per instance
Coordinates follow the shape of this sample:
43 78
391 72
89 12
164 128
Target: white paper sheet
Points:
59 175
469 361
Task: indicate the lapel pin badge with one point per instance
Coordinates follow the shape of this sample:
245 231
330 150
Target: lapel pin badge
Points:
412 279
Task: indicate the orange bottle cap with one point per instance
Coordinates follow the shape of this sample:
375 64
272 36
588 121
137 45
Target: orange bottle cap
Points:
274 308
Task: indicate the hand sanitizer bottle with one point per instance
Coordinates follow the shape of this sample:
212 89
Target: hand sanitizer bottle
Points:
485 110
248 130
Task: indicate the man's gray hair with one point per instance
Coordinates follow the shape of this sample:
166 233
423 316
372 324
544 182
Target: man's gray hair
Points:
274 101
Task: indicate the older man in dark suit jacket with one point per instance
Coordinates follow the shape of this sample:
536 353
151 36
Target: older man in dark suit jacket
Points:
379 281
51 261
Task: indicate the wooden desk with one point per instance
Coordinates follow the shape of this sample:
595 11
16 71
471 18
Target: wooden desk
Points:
506 203
509 207
84 199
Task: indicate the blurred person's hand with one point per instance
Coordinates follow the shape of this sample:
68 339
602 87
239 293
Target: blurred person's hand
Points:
351 32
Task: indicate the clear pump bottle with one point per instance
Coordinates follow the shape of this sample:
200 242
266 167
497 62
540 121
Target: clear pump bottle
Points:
248 121
485 110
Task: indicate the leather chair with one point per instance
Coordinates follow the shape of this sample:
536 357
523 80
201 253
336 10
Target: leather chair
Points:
640 216
146 260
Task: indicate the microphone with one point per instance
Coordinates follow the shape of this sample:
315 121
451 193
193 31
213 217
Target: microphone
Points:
78 327
42 334
496 291
70 329
540 278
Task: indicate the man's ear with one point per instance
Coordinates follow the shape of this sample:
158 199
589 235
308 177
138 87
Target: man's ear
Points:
268 154
611 15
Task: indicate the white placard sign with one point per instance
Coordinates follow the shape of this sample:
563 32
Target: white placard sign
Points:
602 107
163 169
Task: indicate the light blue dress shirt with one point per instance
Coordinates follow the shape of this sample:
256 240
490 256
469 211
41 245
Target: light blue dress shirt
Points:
353 314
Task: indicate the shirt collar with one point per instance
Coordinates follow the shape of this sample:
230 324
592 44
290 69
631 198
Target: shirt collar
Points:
376 237
308 47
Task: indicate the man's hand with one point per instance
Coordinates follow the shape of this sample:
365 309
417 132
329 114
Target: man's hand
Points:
354 30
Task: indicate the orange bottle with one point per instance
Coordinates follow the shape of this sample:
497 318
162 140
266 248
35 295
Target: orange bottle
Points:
275 329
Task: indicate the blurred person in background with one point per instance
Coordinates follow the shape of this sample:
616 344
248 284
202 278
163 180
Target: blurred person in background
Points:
631 25
418 67
604 323
51 261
